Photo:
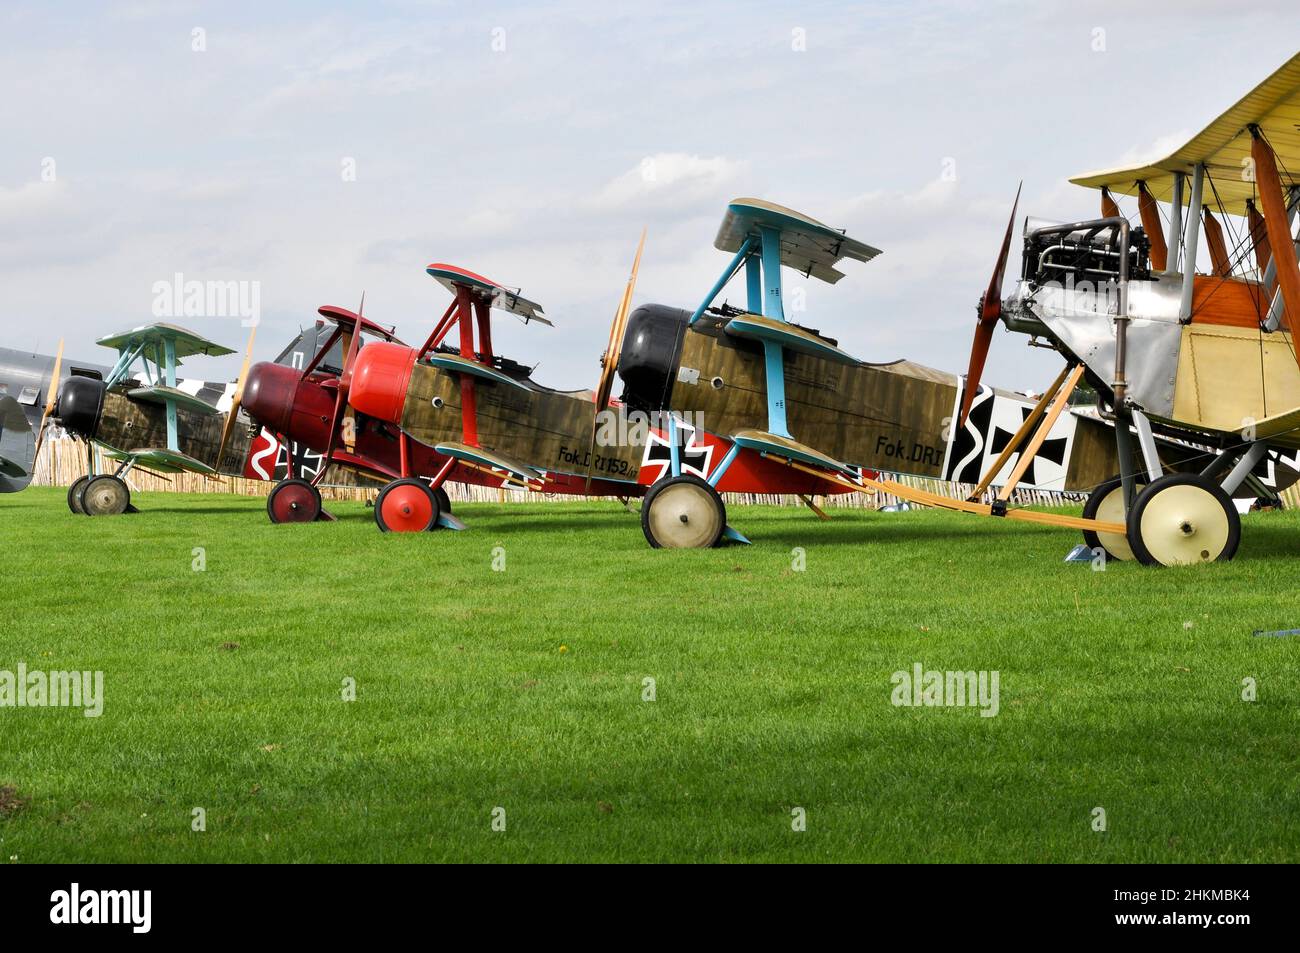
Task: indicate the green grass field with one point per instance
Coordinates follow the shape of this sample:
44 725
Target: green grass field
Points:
523 689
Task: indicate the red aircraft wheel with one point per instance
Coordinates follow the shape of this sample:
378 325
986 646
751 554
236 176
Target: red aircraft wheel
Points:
406 506
293 501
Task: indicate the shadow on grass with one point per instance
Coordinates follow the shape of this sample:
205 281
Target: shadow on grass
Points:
885 531
1263 539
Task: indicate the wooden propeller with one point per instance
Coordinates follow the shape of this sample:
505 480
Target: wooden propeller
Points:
609 360
51 398
238 399
989 311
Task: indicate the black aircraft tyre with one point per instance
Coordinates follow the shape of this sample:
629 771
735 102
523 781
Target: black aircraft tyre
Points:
1182 519
1106 503
683 512
444 501
293 501
74 494
105 496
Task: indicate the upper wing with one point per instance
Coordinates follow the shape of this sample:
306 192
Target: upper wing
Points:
1224 147
807 245
344 317
187 343
495 295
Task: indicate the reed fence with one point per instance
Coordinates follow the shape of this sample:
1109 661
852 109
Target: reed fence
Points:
63 460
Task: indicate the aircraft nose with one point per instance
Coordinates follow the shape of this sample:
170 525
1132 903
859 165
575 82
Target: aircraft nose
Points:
80 405
269 393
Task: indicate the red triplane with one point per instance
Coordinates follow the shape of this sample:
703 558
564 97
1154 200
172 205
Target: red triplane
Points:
351 418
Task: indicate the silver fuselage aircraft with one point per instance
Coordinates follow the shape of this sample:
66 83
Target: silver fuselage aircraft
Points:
28 382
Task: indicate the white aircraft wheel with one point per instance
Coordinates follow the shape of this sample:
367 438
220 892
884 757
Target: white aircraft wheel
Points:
1106 503
1181 519
683 512
74 494
105 496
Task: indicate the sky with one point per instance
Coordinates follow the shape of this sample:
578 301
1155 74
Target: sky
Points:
326 150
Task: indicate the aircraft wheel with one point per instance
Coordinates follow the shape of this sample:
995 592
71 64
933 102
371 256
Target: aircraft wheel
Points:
104 496
1106 503
407 506
293 501
74 495
444 501
1181 519
683 512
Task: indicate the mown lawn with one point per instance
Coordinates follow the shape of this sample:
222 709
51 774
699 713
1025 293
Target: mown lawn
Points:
523 689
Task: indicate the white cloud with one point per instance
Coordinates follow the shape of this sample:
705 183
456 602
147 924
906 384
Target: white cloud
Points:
1154 150
668 180
31 201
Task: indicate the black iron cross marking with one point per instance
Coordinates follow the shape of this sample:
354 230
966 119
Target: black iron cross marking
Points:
1053 449
693 456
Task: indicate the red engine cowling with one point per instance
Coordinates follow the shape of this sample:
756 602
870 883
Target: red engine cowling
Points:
380 378
300 410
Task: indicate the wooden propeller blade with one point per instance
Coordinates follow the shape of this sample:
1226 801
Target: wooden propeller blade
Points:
979 352
237 399
613 350
51 398
990 311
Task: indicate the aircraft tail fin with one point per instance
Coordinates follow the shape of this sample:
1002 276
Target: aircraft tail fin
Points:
17 447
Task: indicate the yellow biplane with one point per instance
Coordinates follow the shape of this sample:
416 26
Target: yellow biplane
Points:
1202 357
